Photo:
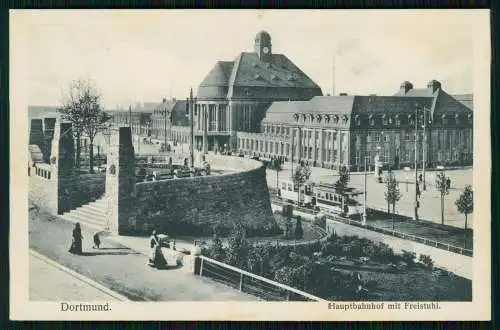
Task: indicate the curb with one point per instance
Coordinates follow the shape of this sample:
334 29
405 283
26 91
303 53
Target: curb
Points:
78 276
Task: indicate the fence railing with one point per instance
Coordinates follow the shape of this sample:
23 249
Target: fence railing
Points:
390 232
249 283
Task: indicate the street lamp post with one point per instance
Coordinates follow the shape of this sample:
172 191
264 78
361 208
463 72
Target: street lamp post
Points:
364 208
416 167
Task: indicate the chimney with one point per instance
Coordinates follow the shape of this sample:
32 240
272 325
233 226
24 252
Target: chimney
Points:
434 85
405 86
164 100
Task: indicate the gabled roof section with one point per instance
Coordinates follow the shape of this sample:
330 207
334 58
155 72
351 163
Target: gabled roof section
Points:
445 103
219 75
390 104
465 99
418 92
279 71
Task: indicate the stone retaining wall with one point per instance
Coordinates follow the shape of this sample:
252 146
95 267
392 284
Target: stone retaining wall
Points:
188 204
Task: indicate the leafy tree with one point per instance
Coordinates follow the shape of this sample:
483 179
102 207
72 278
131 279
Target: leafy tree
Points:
82 107
465 203
238 247
216 249
277 166
299 231
340 185
392 193
300 176
442 187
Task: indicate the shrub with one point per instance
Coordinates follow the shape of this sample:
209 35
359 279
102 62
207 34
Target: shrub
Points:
426 260
320 221
299 232
408 257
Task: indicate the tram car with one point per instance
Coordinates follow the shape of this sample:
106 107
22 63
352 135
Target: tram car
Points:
330 201
288 192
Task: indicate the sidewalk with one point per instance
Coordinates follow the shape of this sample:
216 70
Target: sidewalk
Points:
52 282
123 269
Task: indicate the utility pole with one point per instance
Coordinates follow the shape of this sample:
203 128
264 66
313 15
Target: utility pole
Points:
364 208
191 105
416 155
291 160
165 131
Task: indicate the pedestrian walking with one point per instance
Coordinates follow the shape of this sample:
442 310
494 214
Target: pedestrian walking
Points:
97 241
156 257
76 244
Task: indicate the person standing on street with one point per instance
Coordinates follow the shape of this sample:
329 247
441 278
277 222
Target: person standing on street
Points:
76 244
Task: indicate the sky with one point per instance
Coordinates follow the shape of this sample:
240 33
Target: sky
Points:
147 55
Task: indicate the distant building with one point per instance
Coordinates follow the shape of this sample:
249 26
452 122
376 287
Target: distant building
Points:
170 117
138 117
345 130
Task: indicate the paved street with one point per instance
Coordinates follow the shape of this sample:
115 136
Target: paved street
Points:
49 282
124 270
430 203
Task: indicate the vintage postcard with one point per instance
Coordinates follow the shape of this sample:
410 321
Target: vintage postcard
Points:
250 165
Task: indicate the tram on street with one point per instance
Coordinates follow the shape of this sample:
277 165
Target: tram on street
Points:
328 200
288 191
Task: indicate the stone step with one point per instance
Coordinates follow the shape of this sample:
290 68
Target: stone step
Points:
91 222
100 201
94 207
97 218
91 211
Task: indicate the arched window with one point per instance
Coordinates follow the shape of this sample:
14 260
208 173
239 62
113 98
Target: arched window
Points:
335 119
318 118
457 119
296 117
358 120
371 120
398 120
327 118
385 120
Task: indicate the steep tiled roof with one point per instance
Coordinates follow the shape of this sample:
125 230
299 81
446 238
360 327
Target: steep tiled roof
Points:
465 99
249 77
388 104
418 92
219 75
36 111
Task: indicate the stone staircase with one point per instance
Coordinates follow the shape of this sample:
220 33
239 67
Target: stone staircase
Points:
92 214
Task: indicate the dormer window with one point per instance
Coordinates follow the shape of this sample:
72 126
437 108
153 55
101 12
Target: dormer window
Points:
318 118
335 119
290 78
358 121
444 120
304 118
411 120
275 78
296 117
384 120
398 120
469 117
257 77
390 120
457 119
327 118
371 120
311 118
345 119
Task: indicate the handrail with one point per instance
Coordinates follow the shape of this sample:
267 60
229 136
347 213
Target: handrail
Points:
263 279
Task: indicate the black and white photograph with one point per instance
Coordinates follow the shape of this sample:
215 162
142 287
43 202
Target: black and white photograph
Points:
250 164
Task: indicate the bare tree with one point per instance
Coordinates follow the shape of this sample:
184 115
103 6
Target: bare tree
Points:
82 107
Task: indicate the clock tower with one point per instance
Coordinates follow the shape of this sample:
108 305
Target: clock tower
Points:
263 46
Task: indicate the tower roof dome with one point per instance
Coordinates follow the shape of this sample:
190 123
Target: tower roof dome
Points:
263 35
